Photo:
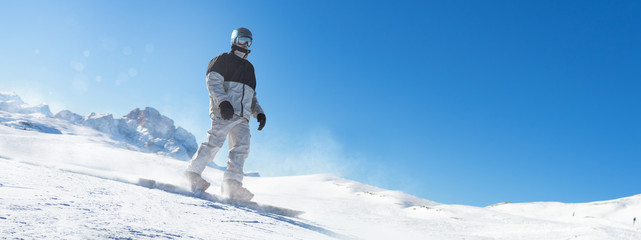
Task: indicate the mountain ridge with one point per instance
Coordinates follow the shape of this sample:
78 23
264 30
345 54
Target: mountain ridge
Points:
146 130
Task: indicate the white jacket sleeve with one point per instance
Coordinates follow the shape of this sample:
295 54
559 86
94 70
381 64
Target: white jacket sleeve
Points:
216 88
256 109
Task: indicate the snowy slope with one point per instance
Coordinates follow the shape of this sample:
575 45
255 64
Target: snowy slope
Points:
61 186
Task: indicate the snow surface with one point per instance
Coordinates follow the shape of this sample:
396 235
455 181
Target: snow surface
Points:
61 186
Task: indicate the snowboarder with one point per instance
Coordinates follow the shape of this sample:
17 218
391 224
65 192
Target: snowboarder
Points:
232 92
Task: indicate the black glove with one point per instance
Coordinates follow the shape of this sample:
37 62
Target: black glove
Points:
226 110
261 119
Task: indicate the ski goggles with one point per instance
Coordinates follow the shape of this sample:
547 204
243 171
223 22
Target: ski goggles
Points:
244 41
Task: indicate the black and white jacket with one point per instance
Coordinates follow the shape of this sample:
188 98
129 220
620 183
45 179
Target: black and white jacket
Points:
231 77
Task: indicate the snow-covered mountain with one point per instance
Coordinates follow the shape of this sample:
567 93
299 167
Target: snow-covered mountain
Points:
11 102
78 182
144 130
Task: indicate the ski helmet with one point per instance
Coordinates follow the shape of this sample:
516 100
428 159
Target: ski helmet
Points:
242 36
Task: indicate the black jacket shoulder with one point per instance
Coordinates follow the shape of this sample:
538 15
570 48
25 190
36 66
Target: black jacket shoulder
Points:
233 69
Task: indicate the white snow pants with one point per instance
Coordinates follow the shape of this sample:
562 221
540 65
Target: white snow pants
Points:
237 129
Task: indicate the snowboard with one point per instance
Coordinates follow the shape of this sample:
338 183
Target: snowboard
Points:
176 189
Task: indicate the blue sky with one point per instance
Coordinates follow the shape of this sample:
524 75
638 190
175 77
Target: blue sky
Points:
466 102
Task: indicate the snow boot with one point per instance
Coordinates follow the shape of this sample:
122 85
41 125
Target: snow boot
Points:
234 189
196 182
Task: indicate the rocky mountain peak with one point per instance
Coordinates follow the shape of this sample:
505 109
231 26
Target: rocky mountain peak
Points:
147 129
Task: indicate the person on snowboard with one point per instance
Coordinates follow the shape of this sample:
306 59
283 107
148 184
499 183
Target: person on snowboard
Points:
232 92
